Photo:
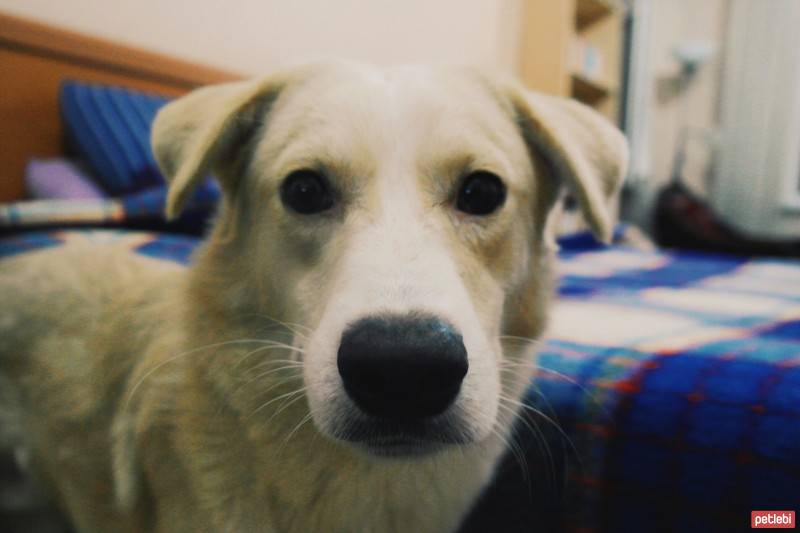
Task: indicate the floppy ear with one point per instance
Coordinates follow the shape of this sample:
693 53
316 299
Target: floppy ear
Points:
201 132
584 150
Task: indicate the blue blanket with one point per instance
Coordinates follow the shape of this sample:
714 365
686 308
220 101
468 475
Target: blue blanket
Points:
675 379
667 395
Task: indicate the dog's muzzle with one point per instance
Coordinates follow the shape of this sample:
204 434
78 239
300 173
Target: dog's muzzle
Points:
402 368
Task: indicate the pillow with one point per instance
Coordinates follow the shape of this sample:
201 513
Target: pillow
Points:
58 179
109 128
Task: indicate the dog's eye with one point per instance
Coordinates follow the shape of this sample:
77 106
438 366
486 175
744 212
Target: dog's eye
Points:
481 193
306 191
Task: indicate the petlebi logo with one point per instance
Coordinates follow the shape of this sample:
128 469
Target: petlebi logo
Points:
772 520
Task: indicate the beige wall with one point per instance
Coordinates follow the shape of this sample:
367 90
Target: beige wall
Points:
674 21
254 36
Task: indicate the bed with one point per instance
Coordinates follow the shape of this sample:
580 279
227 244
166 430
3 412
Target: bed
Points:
678 411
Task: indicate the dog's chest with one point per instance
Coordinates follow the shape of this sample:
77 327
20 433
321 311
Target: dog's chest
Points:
385 503
264 483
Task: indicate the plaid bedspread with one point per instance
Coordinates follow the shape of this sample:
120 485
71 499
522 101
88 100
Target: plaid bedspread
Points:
142 210
667 396
676 376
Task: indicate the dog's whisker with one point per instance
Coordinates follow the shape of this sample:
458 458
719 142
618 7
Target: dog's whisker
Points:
285 405
526 366
517 452
268 366
182 355
522 366
569 379
539 413
291 326
271 346
507 363
305 419
539 438
272 328
548 405
272 362
564 438
261 377
273 383
528 340
298 330
289 377
277 398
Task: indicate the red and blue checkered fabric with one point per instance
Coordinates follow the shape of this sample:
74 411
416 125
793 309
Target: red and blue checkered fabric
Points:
142 210
675 378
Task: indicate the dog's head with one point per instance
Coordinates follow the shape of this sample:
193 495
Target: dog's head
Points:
399 217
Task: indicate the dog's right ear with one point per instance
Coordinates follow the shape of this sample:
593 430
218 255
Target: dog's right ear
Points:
200 132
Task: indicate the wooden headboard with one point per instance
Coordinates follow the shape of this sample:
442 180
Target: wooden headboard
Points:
35 58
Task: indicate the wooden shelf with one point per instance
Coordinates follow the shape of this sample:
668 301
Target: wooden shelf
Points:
588 12
548 61
587 90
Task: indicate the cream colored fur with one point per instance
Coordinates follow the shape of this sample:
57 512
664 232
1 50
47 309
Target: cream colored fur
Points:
156 398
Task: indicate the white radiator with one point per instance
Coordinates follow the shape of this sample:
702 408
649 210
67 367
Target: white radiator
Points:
757 180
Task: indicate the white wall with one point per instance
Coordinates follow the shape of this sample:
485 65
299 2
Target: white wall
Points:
673 22
254 36
670 106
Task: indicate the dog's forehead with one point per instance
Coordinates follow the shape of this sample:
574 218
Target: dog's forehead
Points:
411 92
418 112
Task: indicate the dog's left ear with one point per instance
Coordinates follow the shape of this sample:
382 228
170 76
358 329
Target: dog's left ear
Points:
201 132
583 149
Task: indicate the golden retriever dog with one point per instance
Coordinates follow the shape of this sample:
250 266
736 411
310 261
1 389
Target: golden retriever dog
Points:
343 354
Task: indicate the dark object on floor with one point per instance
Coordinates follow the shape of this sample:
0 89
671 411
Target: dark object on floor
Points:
530 486
22 508
683 220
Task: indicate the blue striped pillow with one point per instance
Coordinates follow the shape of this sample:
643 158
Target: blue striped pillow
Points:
109 128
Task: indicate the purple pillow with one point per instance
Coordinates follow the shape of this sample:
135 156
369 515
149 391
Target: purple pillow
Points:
58 178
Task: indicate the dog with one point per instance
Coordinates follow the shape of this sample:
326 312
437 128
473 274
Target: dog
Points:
344 353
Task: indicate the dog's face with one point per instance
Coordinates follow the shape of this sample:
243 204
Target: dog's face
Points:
398 216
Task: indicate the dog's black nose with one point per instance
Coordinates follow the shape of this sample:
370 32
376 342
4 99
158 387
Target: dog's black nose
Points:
402 366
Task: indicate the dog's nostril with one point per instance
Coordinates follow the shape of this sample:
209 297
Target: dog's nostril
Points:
402 366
